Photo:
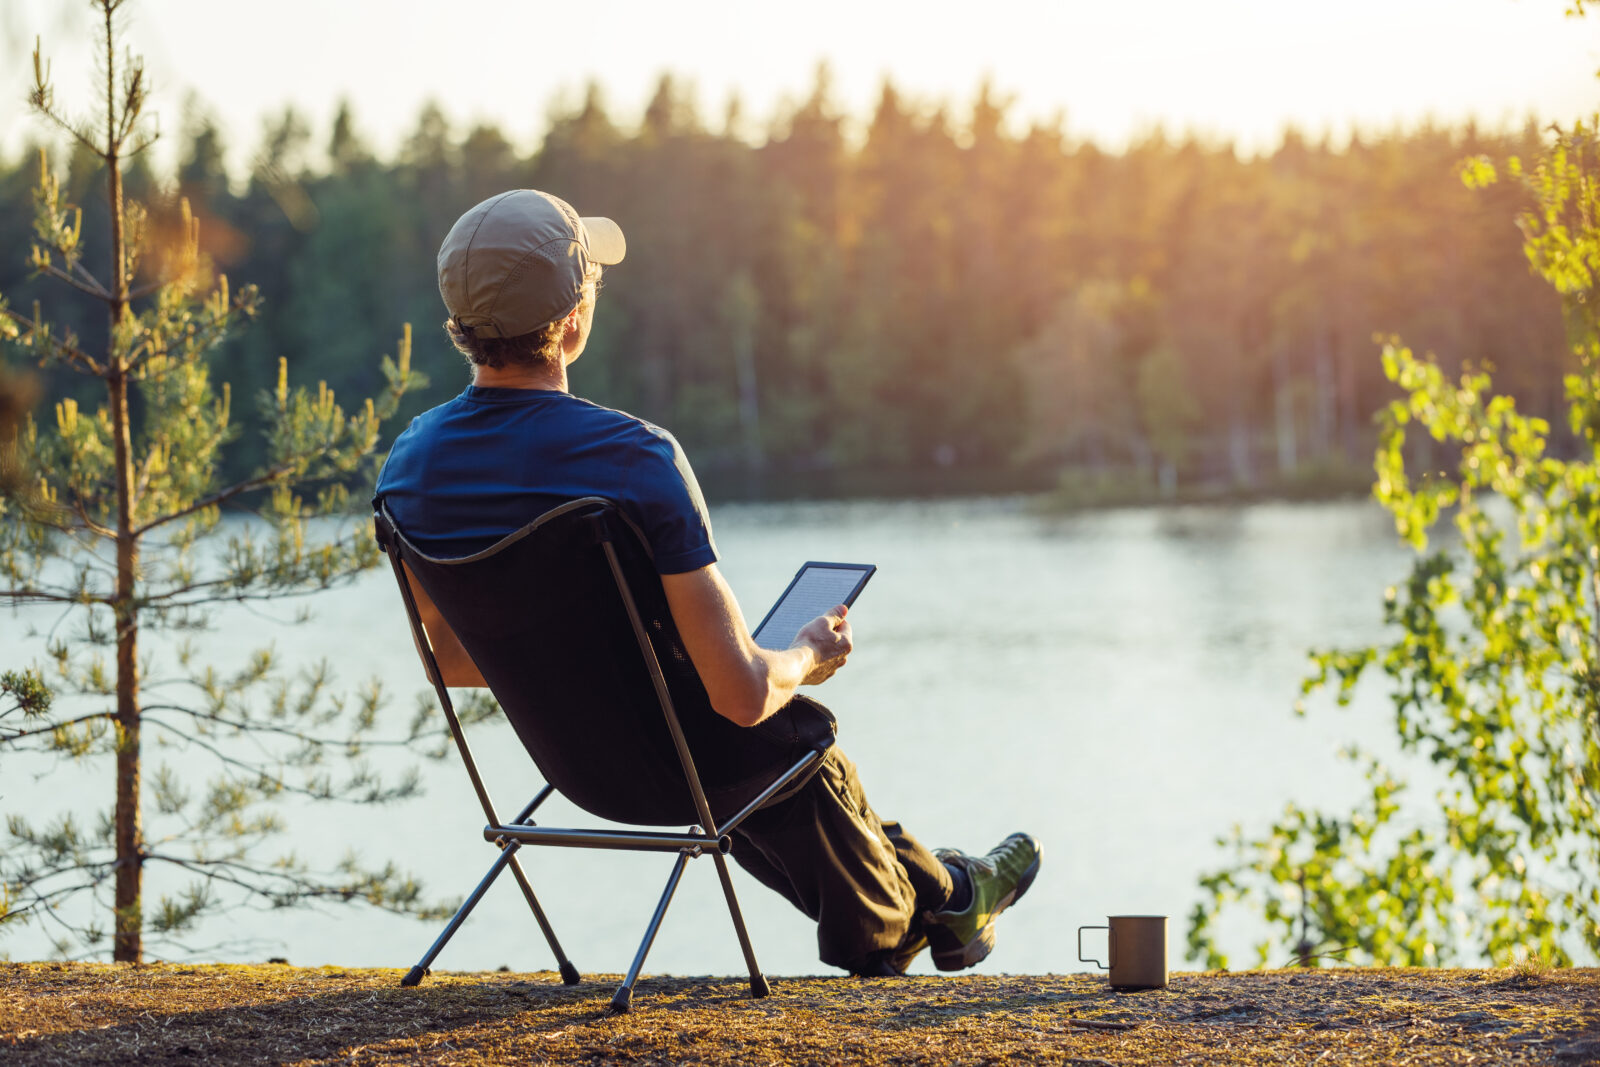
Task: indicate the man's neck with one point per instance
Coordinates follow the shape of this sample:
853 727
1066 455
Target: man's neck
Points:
514 376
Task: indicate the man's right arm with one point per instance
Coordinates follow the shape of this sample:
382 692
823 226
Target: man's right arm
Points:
747 683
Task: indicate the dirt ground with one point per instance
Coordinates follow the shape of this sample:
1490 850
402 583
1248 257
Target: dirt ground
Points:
237 1014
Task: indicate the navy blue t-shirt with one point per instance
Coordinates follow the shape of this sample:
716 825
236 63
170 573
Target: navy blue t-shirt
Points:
473 469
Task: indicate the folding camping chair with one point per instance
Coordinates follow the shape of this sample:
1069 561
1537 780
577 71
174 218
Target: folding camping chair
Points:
567 622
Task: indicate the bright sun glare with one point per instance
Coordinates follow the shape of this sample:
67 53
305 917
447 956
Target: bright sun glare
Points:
1233 69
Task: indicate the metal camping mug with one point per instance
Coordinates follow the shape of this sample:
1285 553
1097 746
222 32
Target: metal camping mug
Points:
1137 947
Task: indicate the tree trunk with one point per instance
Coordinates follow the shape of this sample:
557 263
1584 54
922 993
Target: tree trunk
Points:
128 941
743 310
1325 425
1285 430
1287 438
1240 467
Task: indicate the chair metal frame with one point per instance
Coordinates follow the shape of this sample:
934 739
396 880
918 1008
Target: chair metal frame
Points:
708 838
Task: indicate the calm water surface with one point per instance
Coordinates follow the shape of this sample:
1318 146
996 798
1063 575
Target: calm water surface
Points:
1120 684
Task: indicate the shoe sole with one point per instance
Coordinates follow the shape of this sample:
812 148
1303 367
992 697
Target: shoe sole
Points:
977 950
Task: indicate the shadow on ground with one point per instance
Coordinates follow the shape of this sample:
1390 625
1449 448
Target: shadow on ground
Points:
305 1026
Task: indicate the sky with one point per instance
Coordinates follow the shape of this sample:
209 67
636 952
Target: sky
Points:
1237 70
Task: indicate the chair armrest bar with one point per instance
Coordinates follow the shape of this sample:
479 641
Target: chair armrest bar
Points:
766 794
629 840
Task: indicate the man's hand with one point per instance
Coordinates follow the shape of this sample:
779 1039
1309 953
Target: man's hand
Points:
747 683
828 637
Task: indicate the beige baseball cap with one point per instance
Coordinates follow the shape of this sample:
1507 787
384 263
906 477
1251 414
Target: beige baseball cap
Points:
516 262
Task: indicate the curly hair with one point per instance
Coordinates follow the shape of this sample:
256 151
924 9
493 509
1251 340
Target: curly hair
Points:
541 346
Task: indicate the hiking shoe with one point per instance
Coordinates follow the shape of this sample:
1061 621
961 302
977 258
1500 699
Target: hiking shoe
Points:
960 939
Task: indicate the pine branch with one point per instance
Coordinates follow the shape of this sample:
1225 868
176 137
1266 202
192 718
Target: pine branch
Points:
222 496
95 290
44 904
65 861
42 98
89 524
144 141
294 887
233 948
141 291
67 352
8 738
30 596
87 275
240 875
256 770
30 878
141 484
77 133
153 286
246 598
260 772
86 547
202 336
292 734
87 933
189 830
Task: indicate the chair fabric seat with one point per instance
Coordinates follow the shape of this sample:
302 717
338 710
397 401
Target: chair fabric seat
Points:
541 616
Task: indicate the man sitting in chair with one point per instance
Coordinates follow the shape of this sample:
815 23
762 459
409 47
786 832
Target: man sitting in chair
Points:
519 274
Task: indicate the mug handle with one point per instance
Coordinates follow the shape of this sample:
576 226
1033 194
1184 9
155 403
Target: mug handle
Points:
1111 947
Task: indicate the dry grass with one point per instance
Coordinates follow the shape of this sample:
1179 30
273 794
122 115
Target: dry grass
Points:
88 1013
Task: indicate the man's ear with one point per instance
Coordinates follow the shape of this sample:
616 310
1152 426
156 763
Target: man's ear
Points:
572 334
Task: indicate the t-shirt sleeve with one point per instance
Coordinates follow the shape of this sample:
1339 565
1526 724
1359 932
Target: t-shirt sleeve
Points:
395 467
668 500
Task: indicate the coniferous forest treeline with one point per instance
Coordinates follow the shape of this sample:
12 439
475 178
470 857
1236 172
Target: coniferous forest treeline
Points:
923 289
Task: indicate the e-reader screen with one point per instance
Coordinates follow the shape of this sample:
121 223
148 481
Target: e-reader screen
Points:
817 589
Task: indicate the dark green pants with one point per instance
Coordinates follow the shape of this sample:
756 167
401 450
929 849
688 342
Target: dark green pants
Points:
864 881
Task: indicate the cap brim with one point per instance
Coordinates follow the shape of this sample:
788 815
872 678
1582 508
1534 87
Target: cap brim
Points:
606 243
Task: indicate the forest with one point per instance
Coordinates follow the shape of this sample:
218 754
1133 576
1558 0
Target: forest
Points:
929 296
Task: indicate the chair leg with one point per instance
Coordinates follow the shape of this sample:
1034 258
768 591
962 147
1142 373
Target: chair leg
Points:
417 973
758 981
622 1000
569 973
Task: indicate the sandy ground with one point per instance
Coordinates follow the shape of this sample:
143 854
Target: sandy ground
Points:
247 1014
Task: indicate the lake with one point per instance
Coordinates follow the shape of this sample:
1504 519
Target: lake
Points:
1118 683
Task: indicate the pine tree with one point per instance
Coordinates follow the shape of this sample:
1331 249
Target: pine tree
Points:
124 529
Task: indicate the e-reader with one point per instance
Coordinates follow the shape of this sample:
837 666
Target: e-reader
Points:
817 589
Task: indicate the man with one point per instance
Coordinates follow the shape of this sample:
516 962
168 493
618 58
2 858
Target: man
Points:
519 274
